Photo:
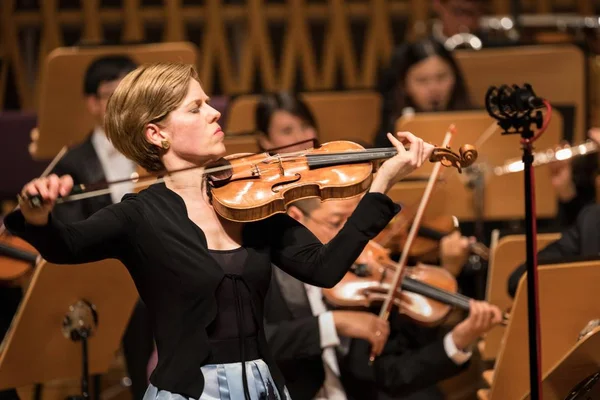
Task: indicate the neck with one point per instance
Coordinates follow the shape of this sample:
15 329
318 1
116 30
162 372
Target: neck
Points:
186 183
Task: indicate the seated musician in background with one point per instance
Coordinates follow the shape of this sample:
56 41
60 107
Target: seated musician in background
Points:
309 340
96 160
457 16
580 241
284 121
309 361
422 77
574 181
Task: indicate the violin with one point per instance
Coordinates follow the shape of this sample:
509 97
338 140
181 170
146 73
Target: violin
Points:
429 234
252 187
427 293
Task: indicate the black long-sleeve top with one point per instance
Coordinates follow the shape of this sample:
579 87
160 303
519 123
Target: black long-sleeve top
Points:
581 242
168 258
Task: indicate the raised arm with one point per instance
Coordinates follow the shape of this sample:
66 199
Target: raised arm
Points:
103 235
296 250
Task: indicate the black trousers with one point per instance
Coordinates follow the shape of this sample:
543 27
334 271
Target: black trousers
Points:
138 345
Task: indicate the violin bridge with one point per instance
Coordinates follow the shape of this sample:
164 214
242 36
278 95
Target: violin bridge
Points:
281 169
254 170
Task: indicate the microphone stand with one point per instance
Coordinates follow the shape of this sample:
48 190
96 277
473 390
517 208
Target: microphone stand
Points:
512 111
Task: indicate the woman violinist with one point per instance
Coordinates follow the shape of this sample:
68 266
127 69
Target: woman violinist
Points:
202 277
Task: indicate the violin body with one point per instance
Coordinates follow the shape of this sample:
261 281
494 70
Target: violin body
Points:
254 187
261 185
427 294
16 257
366 291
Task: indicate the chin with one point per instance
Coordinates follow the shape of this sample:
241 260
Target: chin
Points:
219 150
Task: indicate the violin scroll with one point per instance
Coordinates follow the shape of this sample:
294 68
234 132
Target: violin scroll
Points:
448 158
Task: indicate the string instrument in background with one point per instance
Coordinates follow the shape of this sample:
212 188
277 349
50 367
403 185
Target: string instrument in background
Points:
427 293
247 188
429 234
17 257
547 156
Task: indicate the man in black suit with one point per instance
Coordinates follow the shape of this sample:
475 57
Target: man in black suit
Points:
96 160
316 367
579 242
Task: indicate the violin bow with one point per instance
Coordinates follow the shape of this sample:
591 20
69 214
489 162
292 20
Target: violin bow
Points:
45 173
395 285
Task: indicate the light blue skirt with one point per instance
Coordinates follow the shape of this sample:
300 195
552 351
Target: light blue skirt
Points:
224 382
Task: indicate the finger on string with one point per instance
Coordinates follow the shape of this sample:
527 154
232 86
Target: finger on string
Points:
480 316
397 144
407 136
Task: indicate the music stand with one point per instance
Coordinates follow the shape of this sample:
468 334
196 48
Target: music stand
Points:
503 194
61 90
35 349
582 361
562 317
504 258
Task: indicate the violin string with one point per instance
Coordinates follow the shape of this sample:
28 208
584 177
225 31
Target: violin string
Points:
436 293
143 181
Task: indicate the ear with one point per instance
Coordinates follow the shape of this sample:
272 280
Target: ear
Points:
295 213
154 134
264 142
93 104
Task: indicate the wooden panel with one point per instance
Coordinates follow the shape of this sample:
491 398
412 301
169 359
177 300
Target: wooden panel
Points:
339 115
499 203
560 81
59 100
505 257
561 320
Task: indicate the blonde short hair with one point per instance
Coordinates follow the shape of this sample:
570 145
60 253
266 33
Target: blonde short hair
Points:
146 95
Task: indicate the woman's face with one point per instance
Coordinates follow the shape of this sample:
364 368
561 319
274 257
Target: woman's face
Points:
286 129
192 128
430 84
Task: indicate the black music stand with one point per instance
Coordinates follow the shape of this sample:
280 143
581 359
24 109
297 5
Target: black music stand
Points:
69 324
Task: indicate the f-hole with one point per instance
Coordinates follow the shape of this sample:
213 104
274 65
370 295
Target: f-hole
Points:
276 187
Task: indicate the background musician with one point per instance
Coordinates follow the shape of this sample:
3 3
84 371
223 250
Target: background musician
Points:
457 16
579 242
574 181
96 160
414 359
297 318
422 77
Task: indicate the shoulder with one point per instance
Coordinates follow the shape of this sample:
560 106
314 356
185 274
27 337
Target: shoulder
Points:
589 214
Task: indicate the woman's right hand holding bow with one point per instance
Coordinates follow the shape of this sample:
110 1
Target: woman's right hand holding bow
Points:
49 188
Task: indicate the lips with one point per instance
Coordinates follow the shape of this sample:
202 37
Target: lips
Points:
218 131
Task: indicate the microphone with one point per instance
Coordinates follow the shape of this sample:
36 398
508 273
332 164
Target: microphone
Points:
514 107
512 100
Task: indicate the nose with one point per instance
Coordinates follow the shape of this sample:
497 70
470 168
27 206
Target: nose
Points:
213 115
